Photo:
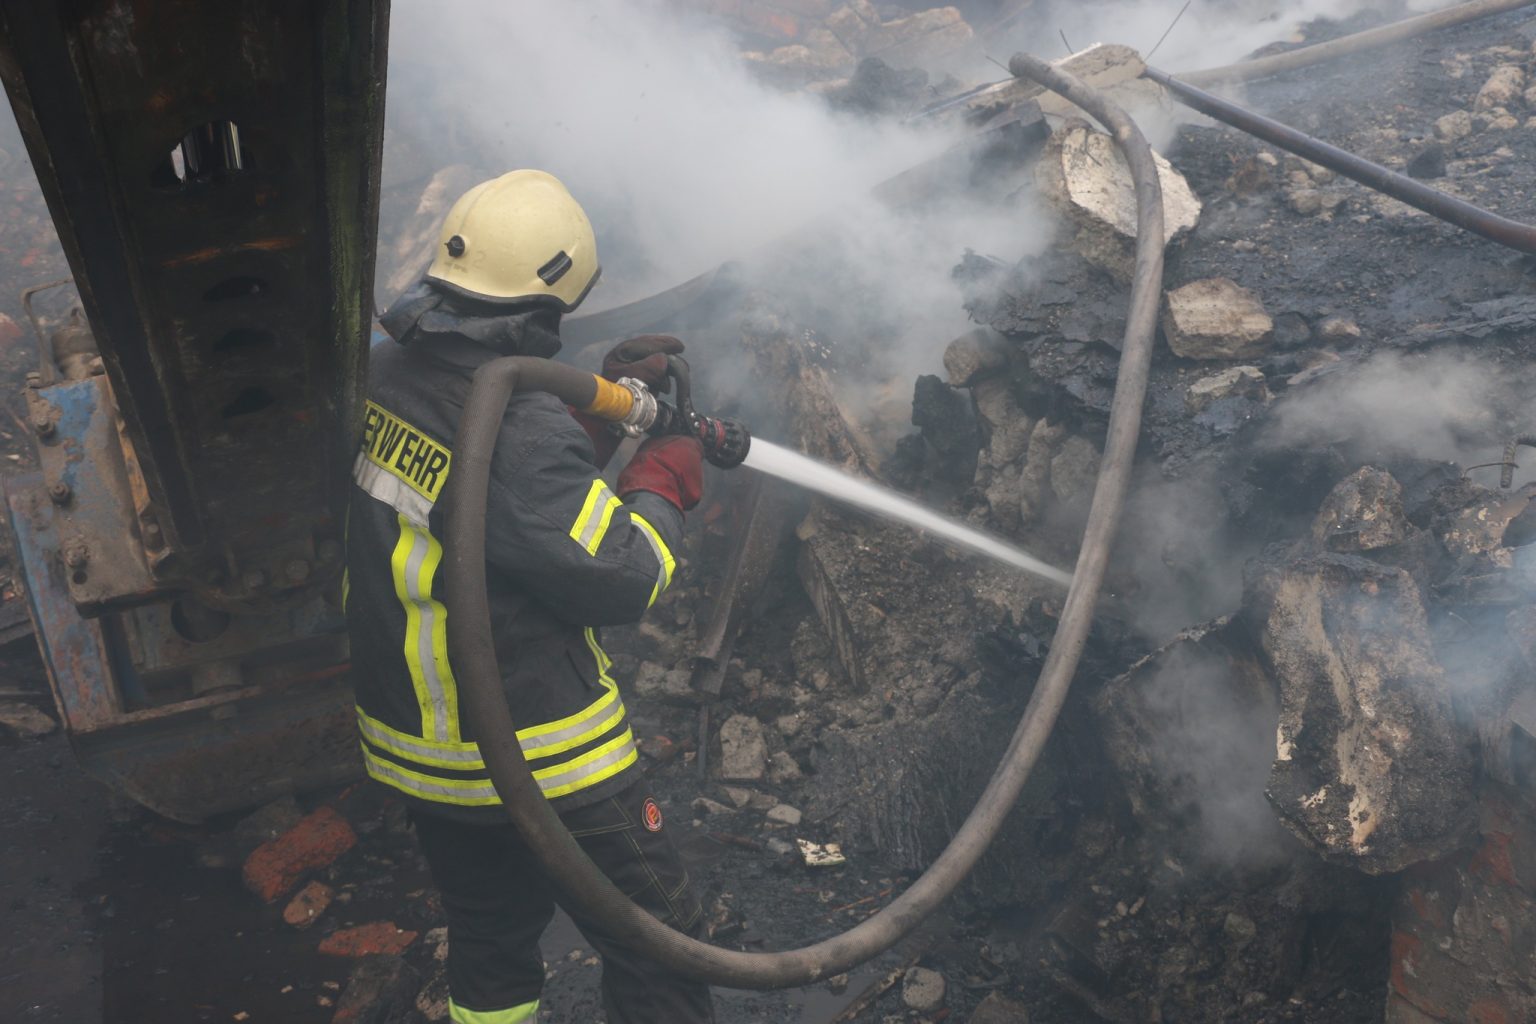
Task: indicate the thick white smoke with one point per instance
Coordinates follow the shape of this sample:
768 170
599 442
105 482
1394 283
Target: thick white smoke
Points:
682 158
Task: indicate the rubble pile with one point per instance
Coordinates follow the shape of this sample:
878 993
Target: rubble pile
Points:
821 42
1294 780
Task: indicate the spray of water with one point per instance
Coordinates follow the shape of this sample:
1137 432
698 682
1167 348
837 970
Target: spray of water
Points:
769 458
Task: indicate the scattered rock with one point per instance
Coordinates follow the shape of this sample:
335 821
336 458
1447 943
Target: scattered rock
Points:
1254 175
743 749
1503 88
367 940
1454 126
1074 469
381 990
704 805
1083 174
316 841
306 907
779 847
665 686
1240 930
999 1009
1292 330
922 989
1370 768
1216 319
783 769
783 814
1338 328
1428 162
25 720
974 355
432 1000
1235 382
762 801
737 796
1362 513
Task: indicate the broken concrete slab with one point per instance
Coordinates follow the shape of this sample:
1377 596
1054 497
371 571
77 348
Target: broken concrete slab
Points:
1370 768
1216 318
1364 512
1082 174
1108 67
1234 382
743 749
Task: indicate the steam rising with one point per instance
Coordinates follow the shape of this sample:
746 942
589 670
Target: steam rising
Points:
682 159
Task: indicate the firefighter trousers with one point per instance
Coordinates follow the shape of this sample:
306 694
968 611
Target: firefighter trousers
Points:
499 902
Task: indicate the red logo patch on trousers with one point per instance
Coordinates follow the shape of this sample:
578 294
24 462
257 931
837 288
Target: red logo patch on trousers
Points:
650 815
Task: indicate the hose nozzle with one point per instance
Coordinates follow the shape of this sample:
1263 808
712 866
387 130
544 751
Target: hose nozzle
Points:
726 442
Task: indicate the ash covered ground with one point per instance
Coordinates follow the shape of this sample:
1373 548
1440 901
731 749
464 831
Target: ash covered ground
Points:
1291 782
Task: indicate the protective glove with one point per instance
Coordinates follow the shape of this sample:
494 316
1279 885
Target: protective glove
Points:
645 359
670 467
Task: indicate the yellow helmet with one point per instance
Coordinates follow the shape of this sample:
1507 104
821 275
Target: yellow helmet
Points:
517 238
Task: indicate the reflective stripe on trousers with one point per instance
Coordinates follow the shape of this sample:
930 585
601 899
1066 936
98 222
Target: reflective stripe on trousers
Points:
511 1015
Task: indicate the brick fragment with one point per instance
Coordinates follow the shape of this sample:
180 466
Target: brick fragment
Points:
372 939
316 841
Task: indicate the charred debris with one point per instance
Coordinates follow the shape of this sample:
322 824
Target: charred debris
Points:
1294 780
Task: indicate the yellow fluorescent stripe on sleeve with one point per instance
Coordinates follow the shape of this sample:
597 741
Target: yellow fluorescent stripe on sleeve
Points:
584 519
612 505
596 516
346 588
663 555
439 642
521 1014
398 562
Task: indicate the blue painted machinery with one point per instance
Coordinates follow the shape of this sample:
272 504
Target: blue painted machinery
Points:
213 172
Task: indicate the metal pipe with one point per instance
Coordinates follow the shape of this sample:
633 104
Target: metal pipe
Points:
1306 56
475 665
1420 196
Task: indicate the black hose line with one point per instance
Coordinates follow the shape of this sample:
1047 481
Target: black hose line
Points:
1440 205
479 677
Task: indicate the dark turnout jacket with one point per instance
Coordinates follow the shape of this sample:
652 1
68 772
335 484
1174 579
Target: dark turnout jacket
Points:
564 557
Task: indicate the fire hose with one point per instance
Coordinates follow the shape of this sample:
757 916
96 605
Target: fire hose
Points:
480 683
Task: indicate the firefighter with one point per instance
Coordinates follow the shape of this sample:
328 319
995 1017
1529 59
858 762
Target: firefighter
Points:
566 555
